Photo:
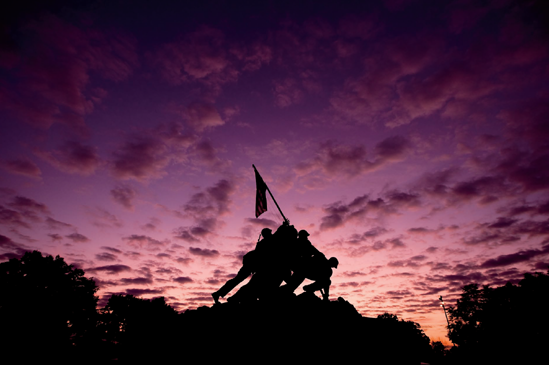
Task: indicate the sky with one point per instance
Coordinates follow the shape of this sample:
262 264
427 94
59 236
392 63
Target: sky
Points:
409 138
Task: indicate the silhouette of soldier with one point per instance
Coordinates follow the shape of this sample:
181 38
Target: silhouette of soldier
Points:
250 264
303 250
309 263
273 264
267 240
264 257
320 270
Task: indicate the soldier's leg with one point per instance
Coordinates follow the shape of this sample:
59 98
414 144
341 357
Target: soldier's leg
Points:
294 282
248 292
319 284
231 284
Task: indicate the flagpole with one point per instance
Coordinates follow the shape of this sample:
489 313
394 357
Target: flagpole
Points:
271 194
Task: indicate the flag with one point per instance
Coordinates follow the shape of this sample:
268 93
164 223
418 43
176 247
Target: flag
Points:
260 197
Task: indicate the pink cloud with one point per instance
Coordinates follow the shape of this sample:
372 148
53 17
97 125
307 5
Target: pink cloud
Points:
73 158
143 241
77 238
124 195
203 56
287 92
335 159
204 252
140 158
202 116
24 167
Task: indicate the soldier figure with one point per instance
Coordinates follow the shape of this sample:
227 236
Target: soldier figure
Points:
320 270
250 264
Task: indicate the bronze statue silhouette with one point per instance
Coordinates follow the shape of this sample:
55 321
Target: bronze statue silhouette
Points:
272 262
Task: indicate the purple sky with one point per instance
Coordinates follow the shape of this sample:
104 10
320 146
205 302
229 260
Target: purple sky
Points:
410 138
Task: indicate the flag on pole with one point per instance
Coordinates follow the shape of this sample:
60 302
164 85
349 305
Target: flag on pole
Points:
260 197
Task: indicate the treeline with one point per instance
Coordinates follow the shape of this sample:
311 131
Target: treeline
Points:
503 325
48 310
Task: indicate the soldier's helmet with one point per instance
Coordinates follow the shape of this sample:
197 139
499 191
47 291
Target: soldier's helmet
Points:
303 233
333 262
265 232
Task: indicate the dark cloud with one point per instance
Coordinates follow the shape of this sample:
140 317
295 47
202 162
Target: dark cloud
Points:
142 241
200 117
123 195
520 256
354 273
392 149
185 235
479 187
542 209
184 260
202 57
55 237
24 167
77 238
368 235
531 228
174 135
502 222
542 265
140 158
10 255
15 250
205 208
164 270
437 184
54 67
136 281
106 256
482 238
12 218
419 230
133 255
110 269
204 252
335 159
400 198
183 280
462 279
73 158
28 206
152 225
213 282
112 249
404 263
208 155
338 213
398 294
102 218
55 224
140 292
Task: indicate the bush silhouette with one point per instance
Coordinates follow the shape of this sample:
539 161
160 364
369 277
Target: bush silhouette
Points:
46 305
504 324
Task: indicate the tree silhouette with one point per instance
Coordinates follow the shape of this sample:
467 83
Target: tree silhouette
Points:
411 332
46 305
501 324
136 324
